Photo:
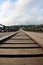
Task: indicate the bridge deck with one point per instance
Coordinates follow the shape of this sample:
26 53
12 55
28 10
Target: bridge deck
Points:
20 49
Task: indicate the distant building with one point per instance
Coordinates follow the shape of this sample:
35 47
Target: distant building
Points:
2 27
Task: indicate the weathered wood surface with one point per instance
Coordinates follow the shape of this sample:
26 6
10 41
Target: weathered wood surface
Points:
20 44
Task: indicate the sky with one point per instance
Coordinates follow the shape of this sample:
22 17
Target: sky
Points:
21 12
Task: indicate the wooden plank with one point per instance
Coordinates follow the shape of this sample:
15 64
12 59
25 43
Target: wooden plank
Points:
19 45
7 36
22 61
36 38
19 41
21 51
22 38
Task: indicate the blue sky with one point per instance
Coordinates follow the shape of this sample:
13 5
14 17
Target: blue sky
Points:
1 1
13 0
21 12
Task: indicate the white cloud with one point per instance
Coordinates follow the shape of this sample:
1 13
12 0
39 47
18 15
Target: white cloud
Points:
21 12
40 18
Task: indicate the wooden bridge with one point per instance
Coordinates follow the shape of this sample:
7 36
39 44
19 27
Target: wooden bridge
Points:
20 48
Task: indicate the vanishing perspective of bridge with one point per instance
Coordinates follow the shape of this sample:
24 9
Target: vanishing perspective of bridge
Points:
21 48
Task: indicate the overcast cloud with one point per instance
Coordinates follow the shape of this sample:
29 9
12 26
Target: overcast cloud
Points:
21 12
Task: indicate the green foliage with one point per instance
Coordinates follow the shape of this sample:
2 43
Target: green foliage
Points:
35 28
